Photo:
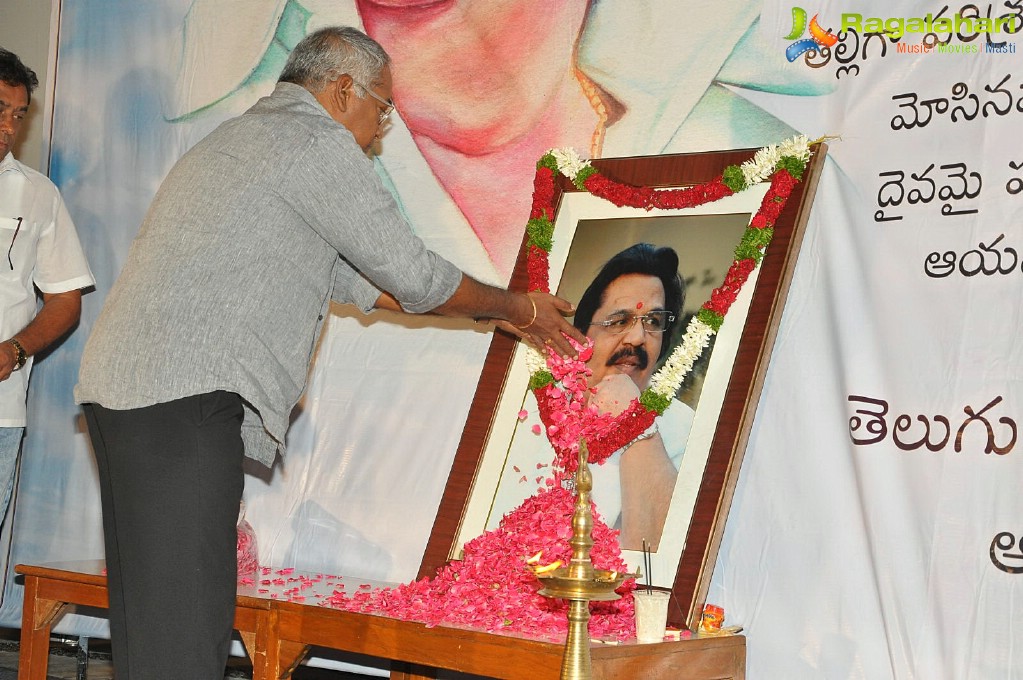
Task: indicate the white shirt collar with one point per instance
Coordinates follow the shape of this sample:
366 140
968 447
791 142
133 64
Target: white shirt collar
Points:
9 162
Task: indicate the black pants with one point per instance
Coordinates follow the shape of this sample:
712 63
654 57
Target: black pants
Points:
171 482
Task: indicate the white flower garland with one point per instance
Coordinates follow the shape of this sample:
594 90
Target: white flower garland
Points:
763 163
569 162
668 379
534 360
797 147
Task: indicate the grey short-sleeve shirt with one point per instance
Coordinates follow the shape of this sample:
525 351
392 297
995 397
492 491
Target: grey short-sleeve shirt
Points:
227 283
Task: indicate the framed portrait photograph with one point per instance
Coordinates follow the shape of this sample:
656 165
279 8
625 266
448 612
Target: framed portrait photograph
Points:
505 456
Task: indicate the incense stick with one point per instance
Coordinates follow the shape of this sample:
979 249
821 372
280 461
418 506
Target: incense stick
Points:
647 563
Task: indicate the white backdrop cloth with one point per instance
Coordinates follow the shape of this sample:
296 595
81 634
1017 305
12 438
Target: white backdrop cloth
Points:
863 542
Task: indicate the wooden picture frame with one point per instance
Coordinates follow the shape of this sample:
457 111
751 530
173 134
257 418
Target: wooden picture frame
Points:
704 493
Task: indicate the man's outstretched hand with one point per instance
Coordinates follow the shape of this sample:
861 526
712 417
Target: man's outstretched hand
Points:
549 327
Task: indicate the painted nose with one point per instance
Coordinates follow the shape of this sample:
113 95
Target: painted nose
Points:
636 335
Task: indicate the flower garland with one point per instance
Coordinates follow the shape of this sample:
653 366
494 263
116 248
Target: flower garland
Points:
560 384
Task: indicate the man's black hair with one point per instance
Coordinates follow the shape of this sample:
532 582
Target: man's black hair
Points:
15 73
642 258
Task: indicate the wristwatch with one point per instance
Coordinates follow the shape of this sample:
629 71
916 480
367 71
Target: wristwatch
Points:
22 357
647 433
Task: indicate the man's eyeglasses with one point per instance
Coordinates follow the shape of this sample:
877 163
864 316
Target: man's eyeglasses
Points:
384 113
11 249
653 322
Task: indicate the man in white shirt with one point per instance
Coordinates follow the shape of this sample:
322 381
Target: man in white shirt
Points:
40 250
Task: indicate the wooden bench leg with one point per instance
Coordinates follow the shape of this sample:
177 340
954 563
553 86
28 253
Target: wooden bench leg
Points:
280 657
257 657
289 656
273 663
37 618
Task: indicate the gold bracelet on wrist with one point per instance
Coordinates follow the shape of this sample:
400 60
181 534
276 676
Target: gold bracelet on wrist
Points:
522 328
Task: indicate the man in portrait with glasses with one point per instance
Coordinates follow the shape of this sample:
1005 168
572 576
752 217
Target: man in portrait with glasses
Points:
42 252
628 311
204 343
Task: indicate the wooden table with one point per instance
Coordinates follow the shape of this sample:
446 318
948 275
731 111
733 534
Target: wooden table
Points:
278 633
418 650
51 589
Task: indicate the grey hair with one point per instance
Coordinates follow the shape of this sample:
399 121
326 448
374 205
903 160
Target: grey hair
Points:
323 56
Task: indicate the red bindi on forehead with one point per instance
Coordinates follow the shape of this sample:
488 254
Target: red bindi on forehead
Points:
639 305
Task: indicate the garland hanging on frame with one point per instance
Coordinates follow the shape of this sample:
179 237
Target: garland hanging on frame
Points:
560 384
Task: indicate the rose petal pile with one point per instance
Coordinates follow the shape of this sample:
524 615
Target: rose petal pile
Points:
492 588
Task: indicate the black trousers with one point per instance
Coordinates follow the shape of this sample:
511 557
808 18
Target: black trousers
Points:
170 482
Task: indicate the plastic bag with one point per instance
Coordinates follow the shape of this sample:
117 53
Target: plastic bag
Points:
248 552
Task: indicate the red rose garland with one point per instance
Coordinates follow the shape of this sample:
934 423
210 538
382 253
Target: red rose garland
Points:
604 434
